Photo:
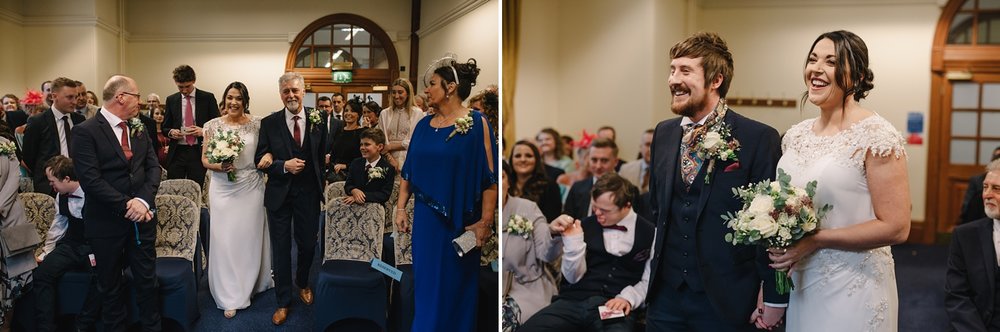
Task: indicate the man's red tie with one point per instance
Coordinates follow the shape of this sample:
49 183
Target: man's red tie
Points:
188 119
296 131
125 147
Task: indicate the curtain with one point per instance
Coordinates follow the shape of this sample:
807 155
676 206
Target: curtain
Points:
511 27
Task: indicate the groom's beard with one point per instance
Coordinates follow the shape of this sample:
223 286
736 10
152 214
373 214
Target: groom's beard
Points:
691 107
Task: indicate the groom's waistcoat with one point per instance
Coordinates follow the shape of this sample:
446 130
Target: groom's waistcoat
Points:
608 274
306 178
681 253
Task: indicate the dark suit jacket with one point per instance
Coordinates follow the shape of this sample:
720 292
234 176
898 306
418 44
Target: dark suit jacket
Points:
334 129
730 274
275 138
553 172
972 203
376 190
16 118
41 143
205 108
578 200
970 281
110 181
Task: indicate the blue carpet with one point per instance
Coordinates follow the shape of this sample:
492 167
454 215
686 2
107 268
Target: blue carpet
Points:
920 271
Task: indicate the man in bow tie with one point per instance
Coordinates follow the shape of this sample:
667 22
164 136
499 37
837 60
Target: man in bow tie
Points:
699 281
605 263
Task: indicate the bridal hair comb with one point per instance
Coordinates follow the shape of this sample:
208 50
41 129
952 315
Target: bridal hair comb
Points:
448 60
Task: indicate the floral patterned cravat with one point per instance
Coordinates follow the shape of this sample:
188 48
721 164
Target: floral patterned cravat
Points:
690 162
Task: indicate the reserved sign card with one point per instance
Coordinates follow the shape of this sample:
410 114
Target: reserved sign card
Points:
386 269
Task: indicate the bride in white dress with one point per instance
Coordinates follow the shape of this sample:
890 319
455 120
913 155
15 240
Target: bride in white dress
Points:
844 274
241 253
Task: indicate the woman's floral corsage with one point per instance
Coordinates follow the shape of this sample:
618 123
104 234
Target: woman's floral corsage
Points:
135 126
8 149
717 143
519 225
462 125
315 118
376 173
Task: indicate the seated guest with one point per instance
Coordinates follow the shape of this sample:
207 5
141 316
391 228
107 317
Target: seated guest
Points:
65 249
972 203
602 157
15 269
370 113
605 263
637 171
526 252
530 180
971 292
14 115
553 150
370 177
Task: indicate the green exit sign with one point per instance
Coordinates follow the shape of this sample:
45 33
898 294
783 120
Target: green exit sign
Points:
342 76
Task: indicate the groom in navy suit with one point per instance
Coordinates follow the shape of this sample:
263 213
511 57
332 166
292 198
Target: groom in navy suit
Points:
292 195
120 173
698 281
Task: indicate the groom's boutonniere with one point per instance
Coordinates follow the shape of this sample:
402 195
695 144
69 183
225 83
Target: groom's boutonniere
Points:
8 149
376 173
135 126
462 126
718 142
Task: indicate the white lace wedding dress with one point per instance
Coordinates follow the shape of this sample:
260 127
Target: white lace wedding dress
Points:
838 290
240 255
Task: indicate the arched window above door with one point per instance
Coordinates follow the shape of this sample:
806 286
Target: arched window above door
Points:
977 22
343 37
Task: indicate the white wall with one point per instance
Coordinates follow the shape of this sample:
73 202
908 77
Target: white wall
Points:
769 56
11 53
468 28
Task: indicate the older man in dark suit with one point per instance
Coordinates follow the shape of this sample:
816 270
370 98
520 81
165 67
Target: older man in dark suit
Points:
971 284
186 114
119 172
699 281
296 138
48 133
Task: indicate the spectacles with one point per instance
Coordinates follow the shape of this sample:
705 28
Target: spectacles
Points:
132 94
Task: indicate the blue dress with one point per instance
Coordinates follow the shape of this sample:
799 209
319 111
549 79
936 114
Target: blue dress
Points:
447 179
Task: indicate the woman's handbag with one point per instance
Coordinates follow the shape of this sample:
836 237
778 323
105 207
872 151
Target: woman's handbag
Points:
511 311
18 239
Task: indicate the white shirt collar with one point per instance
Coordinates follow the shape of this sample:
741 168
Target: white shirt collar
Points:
629 220
374 163
289 115
686 121
58 114
113 120
78 192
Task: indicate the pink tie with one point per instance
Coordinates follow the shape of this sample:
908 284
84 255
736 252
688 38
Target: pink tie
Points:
188 119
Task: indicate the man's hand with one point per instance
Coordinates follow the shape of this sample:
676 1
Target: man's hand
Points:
175 134
295 165
619 304
136 211
195 131
766 317
358 195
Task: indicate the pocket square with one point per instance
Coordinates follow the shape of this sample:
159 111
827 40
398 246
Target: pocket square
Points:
732 167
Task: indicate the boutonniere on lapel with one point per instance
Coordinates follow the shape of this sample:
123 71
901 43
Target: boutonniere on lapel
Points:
462 126
376 173
315 118
519 225
717 143
135 127
8 149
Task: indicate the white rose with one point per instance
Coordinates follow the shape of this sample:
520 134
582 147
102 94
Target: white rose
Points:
785 234
775 186
761 205
793 200
808 227
765 225
712 140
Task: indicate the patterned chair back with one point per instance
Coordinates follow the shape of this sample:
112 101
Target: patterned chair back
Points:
334 190
25 185
403 243
204 189
40 210
390 208
181 187
176 227
163 174
353 232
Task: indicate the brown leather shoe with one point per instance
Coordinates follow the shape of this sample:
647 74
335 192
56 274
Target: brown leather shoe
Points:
306 295
280 316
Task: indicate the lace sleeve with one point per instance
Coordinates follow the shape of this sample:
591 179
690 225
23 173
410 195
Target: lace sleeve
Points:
879 138
210 127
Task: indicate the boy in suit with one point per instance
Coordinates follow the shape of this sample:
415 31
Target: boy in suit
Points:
605 263
370 178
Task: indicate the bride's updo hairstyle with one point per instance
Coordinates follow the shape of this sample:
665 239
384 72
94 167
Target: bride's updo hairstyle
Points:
467 73
853 75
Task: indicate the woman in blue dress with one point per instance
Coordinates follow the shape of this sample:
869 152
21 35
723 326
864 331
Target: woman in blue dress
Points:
450 171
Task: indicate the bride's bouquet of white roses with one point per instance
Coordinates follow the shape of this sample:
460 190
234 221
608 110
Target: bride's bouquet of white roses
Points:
775 214
224 147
